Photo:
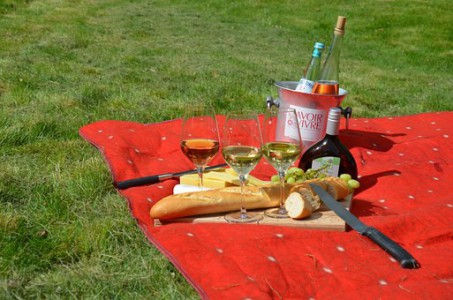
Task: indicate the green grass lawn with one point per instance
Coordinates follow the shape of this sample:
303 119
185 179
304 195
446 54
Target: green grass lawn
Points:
64 231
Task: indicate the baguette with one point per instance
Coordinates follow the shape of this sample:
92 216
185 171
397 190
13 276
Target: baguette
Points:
229 199
303 201
336 187
214 201
306 184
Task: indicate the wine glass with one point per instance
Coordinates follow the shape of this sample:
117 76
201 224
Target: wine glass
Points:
242 151
281 148
199 137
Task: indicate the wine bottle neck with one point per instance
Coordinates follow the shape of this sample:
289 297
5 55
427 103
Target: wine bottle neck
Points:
333 122
314 66
333 128
331 66
330 70
336 45
334 51
313 69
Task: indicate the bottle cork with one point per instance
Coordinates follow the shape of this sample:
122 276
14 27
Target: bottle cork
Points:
339 28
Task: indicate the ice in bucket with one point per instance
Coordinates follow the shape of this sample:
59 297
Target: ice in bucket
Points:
312 111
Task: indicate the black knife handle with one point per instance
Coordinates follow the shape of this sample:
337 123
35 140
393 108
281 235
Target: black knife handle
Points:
141 181
121 185
405 259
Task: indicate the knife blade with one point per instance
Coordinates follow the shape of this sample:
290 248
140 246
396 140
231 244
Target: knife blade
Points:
401 255
121 185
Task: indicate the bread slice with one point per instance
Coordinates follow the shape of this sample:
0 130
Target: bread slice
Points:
300 204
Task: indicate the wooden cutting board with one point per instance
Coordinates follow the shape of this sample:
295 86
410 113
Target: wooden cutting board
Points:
323 219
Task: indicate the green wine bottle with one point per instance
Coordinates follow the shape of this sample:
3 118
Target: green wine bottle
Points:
328 82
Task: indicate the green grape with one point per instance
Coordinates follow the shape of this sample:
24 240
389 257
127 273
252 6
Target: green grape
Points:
292 170
353 184
322 175
345 177
298 172
275 178
311 174
297 175
291 180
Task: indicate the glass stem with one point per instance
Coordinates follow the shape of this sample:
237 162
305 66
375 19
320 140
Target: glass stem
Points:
200 170
242 179
281 175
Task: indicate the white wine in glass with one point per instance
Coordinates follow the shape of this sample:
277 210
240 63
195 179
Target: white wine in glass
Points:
242 151
281 153
200 137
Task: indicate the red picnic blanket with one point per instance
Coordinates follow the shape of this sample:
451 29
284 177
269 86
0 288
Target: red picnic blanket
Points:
405 167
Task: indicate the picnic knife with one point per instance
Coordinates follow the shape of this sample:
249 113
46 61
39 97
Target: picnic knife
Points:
157 178
402 256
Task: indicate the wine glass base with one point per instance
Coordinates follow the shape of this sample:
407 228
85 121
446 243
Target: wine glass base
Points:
277 213
238 217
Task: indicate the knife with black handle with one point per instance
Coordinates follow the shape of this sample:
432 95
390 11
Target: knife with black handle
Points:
396 251
402 256
121 185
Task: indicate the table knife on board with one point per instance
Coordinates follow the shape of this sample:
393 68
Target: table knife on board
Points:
121 185
401 255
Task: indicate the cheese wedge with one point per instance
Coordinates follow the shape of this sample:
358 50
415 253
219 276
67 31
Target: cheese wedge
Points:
251 179
223 176
192 179
220 178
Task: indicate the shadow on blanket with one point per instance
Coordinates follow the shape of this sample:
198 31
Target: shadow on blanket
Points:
376 141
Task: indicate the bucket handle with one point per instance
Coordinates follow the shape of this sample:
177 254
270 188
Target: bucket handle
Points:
346 112
272 102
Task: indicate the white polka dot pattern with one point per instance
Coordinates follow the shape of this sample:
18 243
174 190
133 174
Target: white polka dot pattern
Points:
271 258
404 168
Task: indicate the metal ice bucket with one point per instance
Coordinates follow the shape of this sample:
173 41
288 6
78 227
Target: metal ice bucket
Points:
312 110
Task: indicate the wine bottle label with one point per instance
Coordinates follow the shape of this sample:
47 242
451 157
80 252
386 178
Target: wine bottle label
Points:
312 123
305 85
329 164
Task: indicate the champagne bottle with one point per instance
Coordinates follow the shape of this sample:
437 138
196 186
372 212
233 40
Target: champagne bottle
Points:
328 82
329 153
312 71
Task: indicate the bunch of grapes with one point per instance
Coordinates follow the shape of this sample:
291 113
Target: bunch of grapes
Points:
297 175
